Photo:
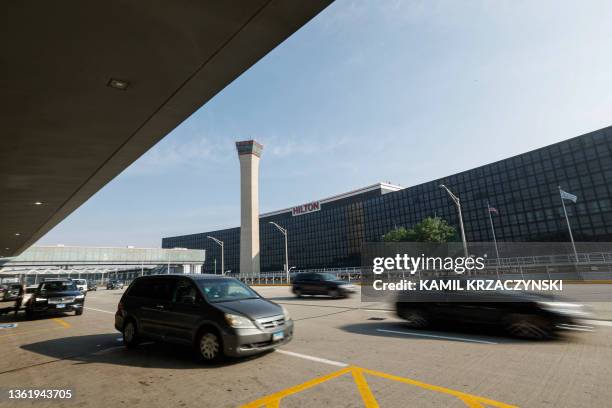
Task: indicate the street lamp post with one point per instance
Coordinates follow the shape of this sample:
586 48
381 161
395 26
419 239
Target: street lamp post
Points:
458 204
218 241
284 232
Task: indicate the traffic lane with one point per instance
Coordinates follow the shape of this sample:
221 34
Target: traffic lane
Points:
467 367
74 361
42 328
106 299
283 295
89 359
581 293
570 371
156 374
52 337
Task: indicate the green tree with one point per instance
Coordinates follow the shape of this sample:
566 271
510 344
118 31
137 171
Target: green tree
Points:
400 234
431 229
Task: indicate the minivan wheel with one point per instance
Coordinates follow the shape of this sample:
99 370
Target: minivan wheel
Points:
334 293
78 312
297 292
209 346
130 334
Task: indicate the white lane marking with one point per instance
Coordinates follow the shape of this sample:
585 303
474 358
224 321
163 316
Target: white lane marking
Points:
99 310
598 322
312 358
433 336
379 310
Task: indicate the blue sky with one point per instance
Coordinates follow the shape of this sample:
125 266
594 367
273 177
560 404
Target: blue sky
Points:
400 91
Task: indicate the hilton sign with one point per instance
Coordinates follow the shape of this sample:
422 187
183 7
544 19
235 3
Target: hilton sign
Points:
306 208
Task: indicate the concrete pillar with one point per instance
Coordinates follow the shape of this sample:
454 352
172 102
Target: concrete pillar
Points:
249 153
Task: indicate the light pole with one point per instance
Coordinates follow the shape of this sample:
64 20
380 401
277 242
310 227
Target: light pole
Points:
458 204
289 273
218 241
284 232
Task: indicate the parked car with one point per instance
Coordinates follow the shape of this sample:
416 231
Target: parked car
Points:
59 295
216 315
11 291
520 314
321 284
91 286
81 285
10 297
114 284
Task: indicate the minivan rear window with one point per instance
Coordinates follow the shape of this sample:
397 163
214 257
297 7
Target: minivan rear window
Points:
225 290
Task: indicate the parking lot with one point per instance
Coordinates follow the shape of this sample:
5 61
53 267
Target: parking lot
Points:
345 354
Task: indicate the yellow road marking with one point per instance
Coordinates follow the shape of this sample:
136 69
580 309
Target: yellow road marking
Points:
471 402
461 395
364 389
269 400
273 400
62 322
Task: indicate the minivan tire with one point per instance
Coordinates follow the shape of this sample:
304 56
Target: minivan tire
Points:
78 312
297 292
130 334
334 293
208 347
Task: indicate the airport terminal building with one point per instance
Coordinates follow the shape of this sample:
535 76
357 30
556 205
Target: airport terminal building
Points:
524 189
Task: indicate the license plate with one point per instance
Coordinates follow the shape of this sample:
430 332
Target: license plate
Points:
278 336
60 306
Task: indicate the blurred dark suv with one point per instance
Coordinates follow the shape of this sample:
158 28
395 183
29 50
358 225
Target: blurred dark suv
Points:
216 315
321 284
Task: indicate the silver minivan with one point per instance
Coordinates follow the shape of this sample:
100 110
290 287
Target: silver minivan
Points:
216 315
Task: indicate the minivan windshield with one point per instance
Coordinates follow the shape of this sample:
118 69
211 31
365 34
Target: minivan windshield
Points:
225 290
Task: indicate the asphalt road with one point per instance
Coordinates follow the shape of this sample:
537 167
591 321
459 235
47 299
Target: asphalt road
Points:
344 354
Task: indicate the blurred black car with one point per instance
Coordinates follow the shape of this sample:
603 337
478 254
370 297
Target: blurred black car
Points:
92 286
59 295
321 284
520 314
114 284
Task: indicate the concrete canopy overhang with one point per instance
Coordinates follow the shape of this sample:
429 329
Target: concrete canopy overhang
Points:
64 133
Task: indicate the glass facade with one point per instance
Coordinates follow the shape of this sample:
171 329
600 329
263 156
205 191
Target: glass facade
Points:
524 189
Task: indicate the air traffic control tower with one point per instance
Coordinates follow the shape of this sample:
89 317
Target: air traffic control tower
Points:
249 152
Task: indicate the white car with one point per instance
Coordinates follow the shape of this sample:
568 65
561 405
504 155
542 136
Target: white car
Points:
81 284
